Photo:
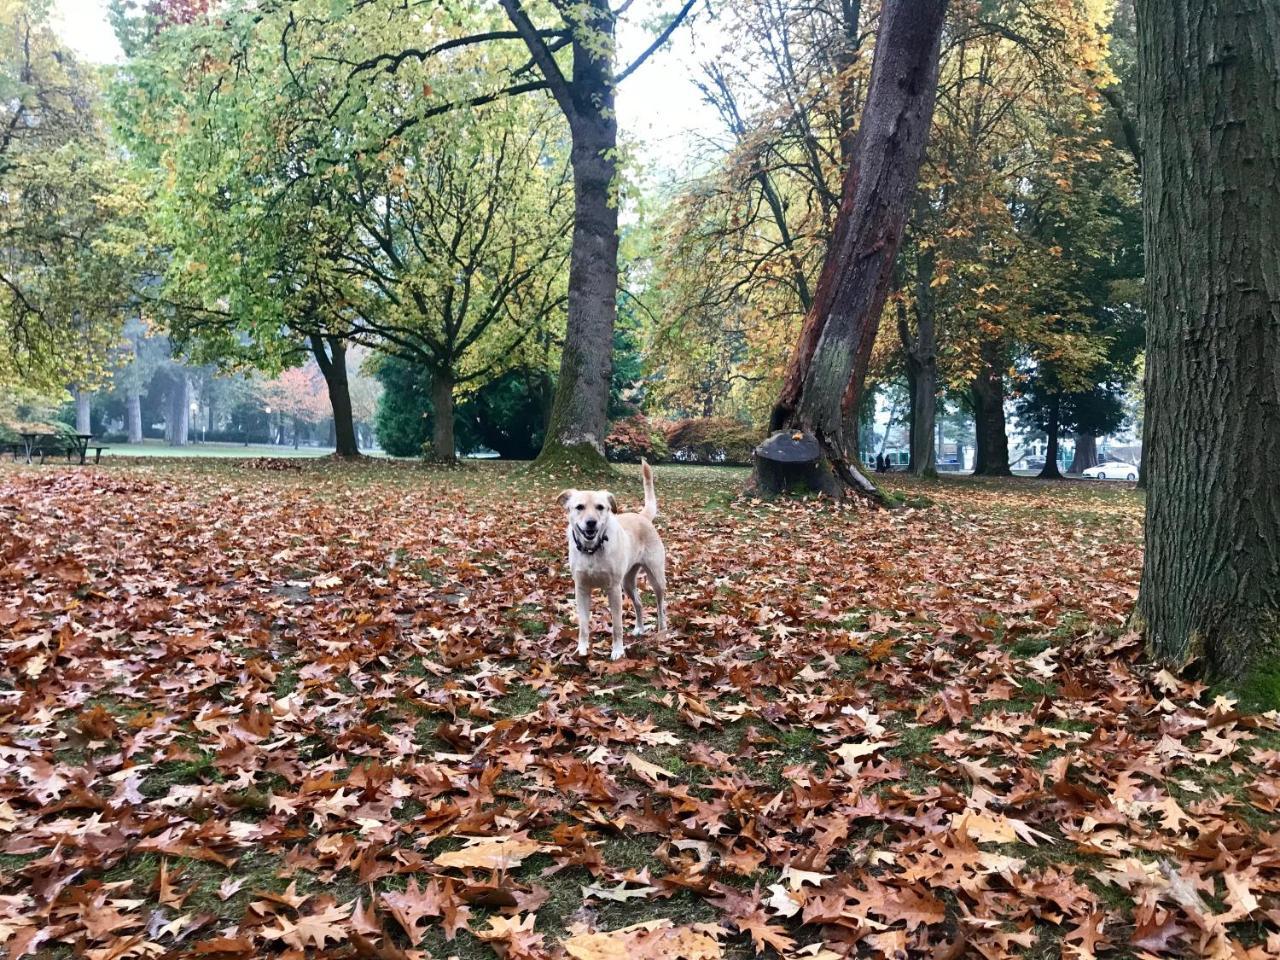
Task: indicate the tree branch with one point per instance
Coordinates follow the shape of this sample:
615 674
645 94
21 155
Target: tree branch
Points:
553 77
390 62
662 38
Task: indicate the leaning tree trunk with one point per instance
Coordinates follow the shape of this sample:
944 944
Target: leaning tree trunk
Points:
1053 429
331 357
442 439
991 454
579 413
825 375
1210 85
1086 453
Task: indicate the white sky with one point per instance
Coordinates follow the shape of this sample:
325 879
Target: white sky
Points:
659 108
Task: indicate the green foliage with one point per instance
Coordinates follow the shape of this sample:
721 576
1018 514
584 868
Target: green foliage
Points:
301 190
628 365
403 419
68 253
507 415
1094 412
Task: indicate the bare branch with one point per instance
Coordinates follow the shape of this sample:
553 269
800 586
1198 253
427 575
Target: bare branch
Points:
661 38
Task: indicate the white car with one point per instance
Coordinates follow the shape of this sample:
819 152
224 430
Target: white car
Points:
1115 470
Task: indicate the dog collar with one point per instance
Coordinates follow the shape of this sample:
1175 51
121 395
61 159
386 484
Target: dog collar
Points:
577 542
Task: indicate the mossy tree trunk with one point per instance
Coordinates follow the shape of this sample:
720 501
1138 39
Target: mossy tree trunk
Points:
1210 85
824 377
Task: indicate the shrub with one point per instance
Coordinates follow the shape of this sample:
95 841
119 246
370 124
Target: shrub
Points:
711 440
636 437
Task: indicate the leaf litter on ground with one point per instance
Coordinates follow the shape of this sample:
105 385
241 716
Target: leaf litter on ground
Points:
336 712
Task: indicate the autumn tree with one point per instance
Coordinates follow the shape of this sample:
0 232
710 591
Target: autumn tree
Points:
1022 197
741 246
825 375
442 58
65 254
445 243
1210 592
465 248
299 394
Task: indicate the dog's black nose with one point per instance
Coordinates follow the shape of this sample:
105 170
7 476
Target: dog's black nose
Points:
590 524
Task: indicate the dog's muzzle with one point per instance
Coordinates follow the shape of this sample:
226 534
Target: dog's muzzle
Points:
588 542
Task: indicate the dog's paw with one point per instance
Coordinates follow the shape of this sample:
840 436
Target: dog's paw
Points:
583 648
638 632
617 653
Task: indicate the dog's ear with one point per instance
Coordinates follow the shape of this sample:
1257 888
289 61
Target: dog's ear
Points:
613 504
565 497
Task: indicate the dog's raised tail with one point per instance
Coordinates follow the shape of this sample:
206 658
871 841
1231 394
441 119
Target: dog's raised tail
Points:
650 497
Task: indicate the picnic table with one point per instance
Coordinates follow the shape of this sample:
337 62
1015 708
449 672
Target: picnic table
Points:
45 443
30 441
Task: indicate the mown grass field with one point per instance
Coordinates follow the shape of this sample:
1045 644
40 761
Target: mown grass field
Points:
255 708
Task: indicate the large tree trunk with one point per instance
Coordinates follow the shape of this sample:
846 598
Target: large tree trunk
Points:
825 375
133 415
579 414
1086 453
991 453
331 358
84 415
921 355
442 439
1210 82
179 410
1050 469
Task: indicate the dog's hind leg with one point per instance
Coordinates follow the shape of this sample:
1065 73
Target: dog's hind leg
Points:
629 585
658 577
583 595
615 612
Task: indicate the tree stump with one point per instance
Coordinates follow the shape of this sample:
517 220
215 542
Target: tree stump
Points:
791 461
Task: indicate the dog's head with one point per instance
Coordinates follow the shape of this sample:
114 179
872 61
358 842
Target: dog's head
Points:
588 511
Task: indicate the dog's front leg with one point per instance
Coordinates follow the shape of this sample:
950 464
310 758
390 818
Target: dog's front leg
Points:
615 613
583 595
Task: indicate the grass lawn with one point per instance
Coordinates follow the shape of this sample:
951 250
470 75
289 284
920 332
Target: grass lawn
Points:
318 709
158 448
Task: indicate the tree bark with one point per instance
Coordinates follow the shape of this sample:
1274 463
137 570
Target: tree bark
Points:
825 375
331 358
442 439
921 355
1210 591
579 413
179 411
1050 469
991 449
133 415
1086 454
84 417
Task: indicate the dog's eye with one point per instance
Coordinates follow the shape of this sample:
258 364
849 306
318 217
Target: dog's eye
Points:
580 507
599 506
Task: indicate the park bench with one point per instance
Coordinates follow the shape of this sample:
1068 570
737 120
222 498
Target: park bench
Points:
47 445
